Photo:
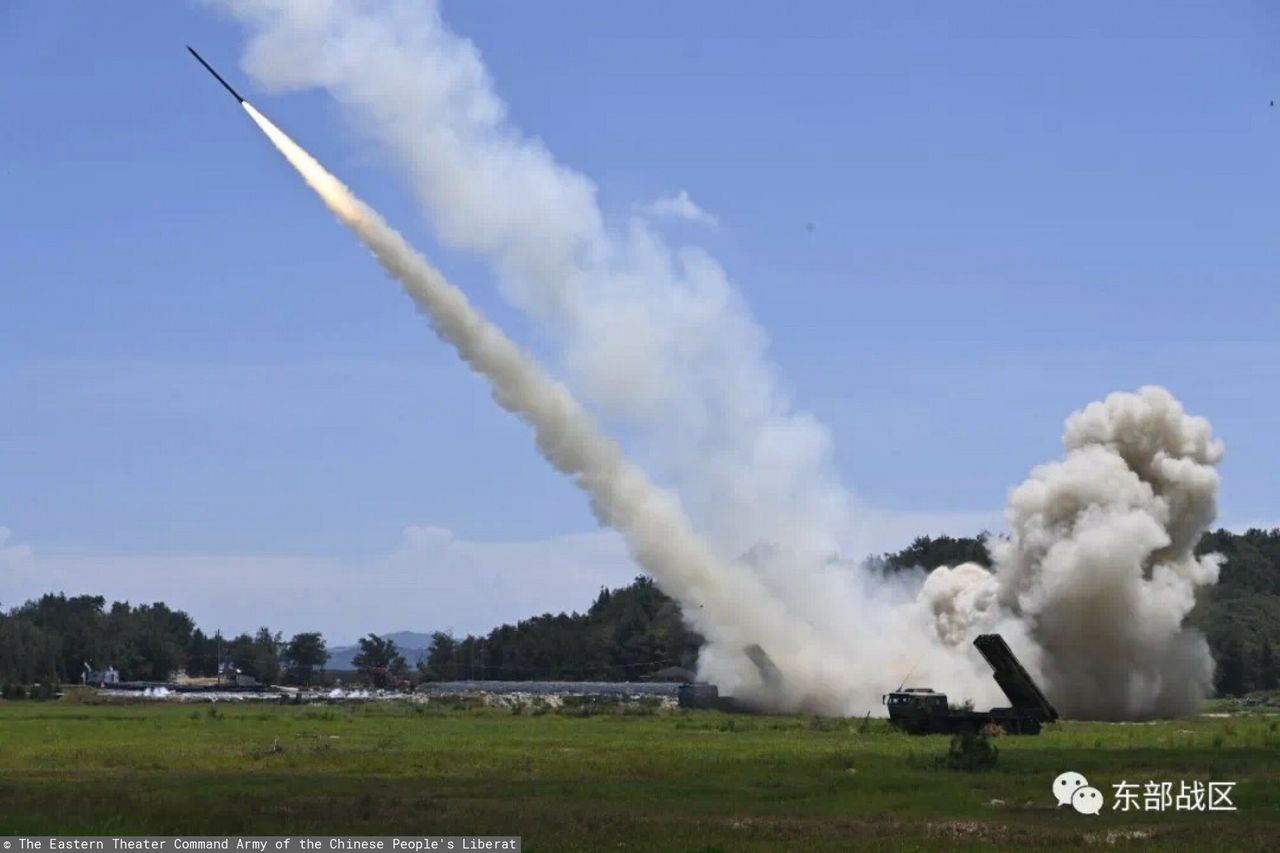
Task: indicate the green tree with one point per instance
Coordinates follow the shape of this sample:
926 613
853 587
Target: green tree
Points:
202 655
928 552
266 655
160 637
76 625
28 654
441 661
304 653
257 655
1232 667
242 655
1268 668
378 660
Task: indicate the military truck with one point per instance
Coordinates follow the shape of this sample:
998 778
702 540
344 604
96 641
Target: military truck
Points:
921 711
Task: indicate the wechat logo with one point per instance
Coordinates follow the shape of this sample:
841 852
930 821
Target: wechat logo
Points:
1072 789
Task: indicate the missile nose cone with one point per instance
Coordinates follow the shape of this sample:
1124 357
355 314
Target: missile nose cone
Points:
215 74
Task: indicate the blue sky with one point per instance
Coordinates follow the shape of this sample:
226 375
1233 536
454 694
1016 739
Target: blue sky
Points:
1013 212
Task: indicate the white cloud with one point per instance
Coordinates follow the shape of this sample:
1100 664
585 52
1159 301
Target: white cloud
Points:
680 206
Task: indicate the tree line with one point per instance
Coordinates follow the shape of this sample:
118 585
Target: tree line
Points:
63 639
626 634
1241 615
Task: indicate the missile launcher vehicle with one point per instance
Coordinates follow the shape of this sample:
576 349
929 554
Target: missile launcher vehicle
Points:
921 711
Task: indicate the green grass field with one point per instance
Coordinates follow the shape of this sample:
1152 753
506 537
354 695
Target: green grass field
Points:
679 781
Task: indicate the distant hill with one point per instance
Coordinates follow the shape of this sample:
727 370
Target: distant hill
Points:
412 644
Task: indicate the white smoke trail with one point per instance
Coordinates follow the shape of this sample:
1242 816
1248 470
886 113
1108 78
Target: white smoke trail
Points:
1100 568
730 608
654 337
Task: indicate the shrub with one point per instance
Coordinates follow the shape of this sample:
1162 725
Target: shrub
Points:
971 753
44 692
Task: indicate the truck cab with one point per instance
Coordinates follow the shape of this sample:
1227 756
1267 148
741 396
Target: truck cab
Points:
912 709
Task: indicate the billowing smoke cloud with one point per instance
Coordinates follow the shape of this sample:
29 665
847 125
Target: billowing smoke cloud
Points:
1091 587
730 607
1100 565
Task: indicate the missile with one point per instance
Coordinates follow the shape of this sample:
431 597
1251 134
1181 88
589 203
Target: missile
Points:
209 68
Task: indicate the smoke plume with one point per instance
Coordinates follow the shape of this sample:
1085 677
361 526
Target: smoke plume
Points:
1091 587
1100 564
651 336
728 607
